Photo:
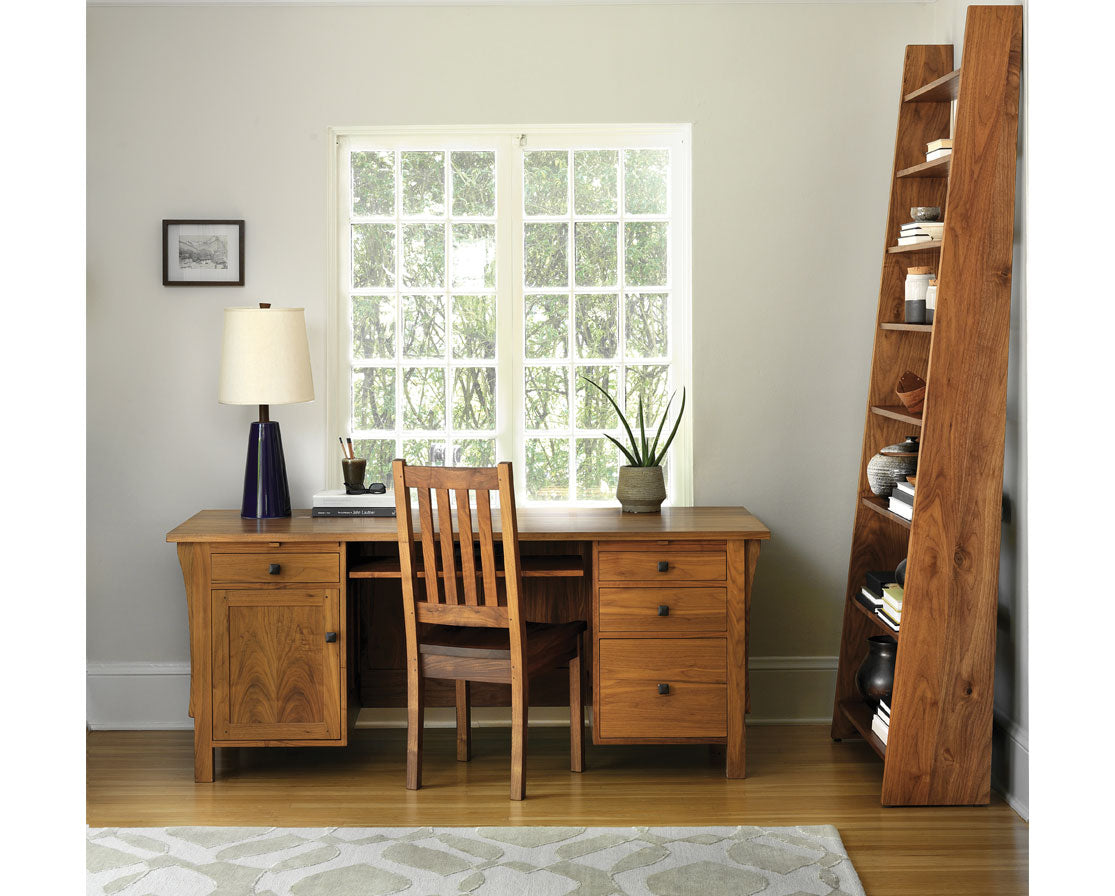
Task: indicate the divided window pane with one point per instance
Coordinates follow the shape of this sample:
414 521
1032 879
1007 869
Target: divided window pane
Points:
430 364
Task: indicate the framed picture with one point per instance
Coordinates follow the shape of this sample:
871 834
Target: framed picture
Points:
203 253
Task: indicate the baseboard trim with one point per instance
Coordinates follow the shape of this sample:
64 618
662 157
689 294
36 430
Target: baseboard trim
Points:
786 690
1010 763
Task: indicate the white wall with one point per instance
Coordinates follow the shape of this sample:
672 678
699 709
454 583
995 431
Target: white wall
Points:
222 112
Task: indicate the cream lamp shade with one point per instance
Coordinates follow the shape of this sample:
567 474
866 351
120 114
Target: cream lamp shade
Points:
265 357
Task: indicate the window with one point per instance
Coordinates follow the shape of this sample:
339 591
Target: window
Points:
481 277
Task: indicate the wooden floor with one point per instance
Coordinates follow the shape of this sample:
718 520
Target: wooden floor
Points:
796 775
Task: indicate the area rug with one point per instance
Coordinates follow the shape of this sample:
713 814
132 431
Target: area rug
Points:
485 861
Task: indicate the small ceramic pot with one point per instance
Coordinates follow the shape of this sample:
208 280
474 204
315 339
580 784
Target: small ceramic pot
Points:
891 465
900 573
926 213
641 489
875 676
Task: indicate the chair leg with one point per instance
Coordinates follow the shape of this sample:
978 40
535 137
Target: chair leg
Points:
415 706
464 721
520 696
576 715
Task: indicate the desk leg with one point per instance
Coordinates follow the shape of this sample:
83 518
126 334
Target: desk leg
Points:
742 557
194 559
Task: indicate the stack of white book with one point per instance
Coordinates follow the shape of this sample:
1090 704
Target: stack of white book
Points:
938 149
880 723
337 502
902 500
920 232
890 609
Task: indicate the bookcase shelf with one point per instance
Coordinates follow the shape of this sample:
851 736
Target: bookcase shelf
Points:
944 89
936 168
930 246
883 628
859 714
896 412
907 328
879 505
938 749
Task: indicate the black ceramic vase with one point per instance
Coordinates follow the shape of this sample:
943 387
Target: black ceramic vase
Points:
875 677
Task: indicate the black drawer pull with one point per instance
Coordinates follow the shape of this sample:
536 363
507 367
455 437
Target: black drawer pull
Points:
663 610
663 565
273 569
664 689
330 637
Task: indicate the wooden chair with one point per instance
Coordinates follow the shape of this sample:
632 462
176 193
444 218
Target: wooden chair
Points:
477 632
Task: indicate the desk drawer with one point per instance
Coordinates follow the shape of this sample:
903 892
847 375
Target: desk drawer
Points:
632 673
662 566
269 568
663 610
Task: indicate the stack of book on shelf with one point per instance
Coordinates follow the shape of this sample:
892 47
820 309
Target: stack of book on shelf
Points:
902 498
880 722
337 502
891 610
938 149
920 232
871 594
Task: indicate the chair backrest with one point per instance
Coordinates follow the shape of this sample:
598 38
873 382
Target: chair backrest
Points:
456 589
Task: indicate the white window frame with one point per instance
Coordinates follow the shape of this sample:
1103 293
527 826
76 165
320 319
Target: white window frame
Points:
507 141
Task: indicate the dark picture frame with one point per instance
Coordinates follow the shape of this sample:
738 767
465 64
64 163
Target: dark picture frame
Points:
200 252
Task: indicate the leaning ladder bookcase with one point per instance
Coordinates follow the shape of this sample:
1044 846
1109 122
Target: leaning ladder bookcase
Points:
938 749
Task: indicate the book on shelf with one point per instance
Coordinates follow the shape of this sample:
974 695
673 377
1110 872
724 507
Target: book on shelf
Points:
900 508
913 240
880 729
877 581
935 154
893 595
905 487
903 496
868 599
893 626
943 143
884 708
890 613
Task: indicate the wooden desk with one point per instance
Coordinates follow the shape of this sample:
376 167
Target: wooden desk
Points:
667 598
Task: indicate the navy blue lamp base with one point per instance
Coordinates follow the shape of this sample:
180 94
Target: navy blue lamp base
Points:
266 494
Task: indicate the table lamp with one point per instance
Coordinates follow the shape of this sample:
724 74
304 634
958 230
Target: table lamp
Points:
265 360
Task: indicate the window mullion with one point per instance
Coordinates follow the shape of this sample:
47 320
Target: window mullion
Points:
509 308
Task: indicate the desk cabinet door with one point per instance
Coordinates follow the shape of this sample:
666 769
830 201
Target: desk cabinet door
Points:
277 664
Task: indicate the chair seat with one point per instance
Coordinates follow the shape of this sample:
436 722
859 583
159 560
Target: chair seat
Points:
546 642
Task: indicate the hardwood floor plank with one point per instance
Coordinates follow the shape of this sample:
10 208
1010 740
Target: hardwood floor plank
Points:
796 775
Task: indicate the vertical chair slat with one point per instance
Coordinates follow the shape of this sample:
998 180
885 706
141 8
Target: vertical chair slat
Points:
487 552
464 535
429 555
445 533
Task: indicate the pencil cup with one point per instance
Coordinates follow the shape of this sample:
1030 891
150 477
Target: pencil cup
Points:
354 468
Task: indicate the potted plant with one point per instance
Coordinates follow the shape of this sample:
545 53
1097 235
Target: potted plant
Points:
641 488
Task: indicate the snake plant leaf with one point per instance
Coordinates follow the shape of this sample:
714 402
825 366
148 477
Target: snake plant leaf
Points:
673 432
643 454
622 419
662 423
619 445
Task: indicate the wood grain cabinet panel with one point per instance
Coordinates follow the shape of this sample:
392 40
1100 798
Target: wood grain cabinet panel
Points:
662 566
277 667
663 687
663 610
275 568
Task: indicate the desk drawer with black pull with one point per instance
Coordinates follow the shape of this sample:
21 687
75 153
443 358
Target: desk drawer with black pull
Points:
275 566
663 610
658 688
662 565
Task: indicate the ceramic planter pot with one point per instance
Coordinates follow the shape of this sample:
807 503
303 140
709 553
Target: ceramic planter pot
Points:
891 465
875 676
641 489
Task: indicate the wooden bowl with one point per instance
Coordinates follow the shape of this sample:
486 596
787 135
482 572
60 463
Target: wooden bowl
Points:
911 391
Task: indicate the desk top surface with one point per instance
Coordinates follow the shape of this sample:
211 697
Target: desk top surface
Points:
535 524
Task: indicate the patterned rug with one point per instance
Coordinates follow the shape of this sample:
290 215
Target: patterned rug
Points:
513 861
